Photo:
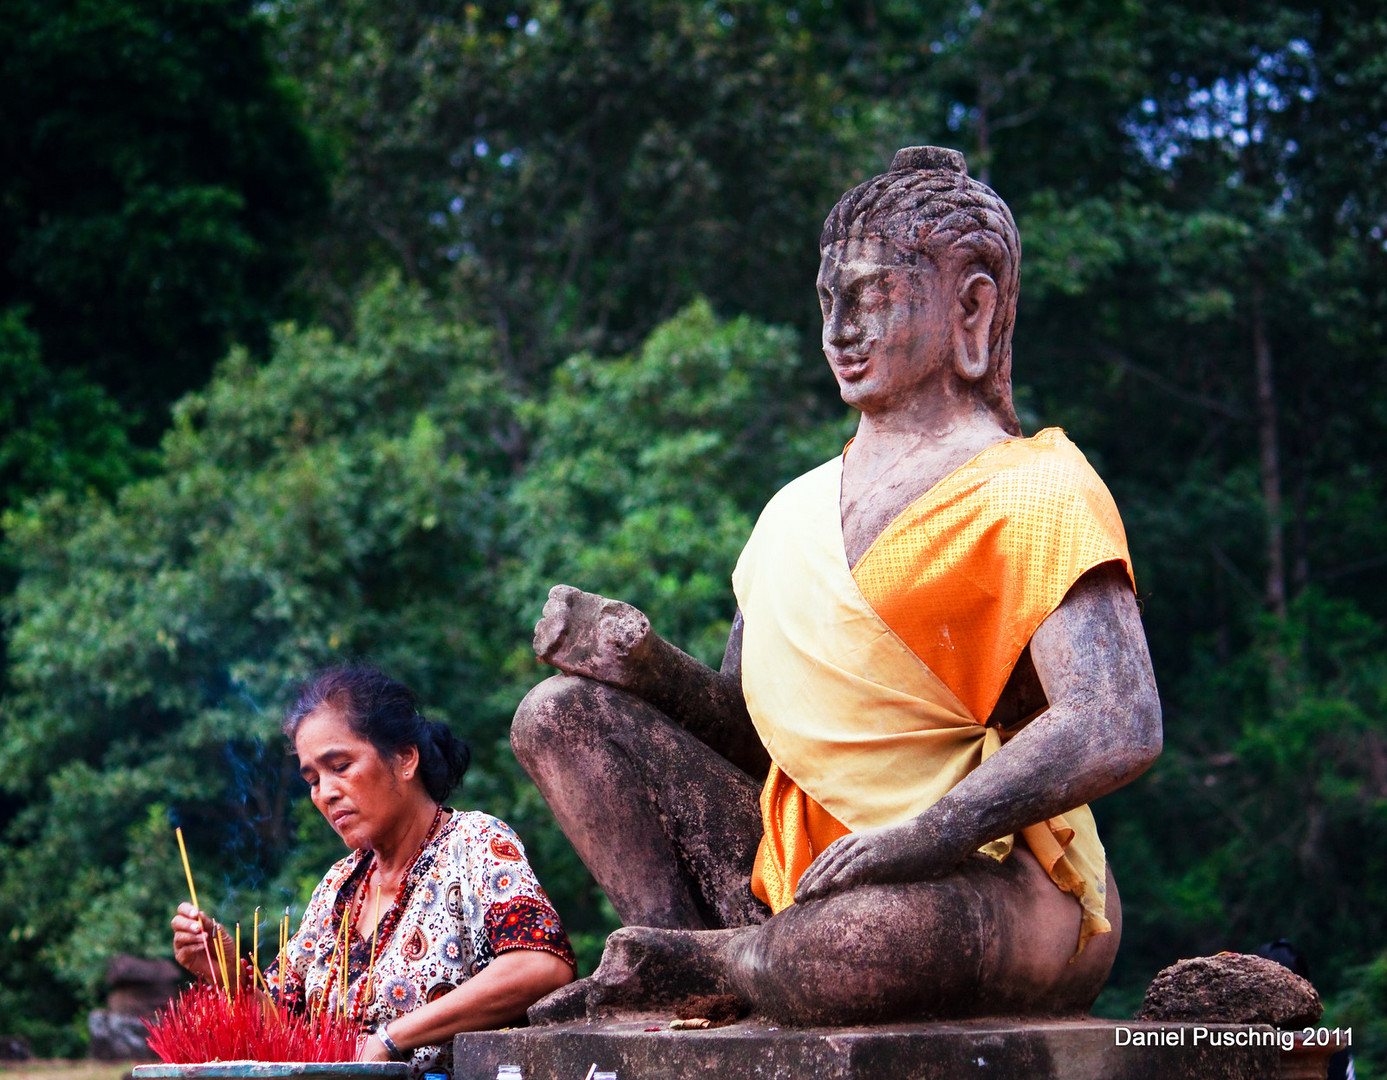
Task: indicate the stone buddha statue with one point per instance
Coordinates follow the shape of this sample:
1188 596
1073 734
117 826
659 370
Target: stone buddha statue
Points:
877 808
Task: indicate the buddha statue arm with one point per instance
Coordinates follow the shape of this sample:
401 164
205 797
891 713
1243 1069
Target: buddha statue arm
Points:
1102 729
594 637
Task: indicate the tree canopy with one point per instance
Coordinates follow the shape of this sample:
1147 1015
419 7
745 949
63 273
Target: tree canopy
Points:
157 175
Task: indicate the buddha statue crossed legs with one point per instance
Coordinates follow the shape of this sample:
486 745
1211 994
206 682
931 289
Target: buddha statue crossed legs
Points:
877 808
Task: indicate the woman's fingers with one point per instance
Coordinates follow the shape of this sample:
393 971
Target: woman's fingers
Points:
191 920
192 941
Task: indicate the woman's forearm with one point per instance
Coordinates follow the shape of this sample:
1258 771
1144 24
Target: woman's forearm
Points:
498 995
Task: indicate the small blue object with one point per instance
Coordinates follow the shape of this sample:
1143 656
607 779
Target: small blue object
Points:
435 1076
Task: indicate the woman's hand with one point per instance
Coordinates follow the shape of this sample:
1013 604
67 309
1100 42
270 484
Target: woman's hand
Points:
192 945
373 1050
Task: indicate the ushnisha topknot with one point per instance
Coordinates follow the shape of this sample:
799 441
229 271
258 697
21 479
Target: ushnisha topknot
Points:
928 207
928 157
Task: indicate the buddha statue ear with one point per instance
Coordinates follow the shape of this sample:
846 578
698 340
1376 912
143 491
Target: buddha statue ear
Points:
972 326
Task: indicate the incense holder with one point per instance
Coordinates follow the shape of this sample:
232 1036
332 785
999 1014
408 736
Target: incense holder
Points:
276 1070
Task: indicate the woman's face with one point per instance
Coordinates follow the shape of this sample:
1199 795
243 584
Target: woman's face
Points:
361 793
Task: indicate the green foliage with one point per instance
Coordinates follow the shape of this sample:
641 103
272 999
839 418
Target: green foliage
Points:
57 431
1363 1007
572 173
133 913
156 174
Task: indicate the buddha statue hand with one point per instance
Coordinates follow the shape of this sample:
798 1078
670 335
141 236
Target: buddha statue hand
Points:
581 633
917 850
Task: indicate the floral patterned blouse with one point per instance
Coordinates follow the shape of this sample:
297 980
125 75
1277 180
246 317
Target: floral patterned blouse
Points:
469 897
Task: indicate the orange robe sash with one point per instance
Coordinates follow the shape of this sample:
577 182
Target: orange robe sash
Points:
867 686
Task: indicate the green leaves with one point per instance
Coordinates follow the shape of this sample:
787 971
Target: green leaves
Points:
58 432
571 174
648 472
160 175
387 497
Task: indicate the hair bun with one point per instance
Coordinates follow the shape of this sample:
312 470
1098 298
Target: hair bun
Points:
445 758
929 158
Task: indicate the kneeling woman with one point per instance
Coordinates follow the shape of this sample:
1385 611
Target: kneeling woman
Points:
464 936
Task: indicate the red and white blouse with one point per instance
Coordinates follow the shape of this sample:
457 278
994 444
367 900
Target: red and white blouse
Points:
469 897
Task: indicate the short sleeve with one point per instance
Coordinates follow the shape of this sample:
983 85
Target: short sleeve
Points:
514 912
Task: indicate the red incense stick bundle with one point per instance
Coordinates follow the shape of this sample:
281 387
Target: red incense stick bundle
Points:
206 1024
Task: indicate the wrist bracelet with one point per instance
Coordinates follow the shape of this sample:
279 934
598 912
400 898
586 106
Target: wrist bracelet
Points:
391 1046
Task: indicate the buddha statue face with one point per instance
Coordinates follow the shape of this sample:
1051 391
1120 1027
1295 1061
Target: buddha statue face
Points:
912 262
886 321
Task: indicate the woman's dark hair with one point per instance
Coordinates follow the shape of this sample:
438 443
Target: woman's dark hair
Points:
386 714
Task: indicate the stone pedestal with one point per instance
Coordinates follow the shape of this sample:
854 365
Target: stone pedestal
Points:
1081 1049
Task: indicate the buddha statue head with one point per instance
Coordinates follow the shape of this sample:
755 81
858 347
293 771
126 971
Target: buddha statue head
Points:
926 236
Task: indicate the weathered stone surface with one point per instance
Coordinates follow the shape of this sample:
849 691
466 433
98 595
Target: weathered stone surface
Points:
140 986
117 1037
1001 1049
1233 988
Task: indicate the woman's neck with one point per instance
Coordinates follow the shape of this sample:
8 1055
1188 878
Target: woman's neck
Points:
394 852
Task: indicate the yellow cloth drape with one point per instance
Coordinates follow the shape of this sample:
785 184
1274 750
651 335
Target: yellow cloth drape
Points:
867 686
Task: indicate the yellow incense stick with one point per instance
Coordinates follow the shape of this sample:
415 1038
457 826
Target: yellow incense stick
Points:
282 947
375 929
178 832
346 959
238 959
221 962
255 979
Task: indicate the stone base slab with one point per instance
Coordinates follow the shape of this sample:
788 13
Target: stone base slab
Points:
992 1049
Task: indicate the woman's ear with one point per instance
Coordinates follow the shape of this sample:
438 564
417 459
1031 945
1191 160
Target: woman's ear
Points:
408 761
977 303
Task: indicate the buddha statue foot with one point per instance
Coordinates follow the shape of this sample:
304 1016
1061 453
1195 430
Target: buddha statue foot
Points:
645 970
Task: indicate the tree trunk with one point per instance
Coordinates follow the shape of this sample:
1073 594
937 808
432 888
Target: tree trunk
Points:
1270 456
